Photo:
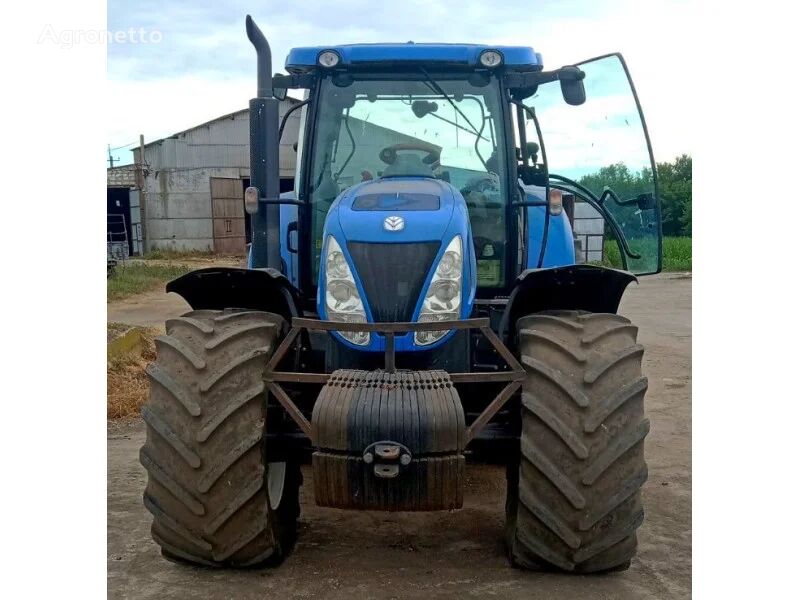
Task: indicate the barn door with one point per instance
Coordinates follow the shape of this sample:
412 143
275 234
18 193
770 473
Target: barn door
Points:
227 206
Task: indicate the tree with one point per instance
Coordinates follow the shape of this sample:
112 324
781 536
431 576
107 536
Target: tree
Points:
675 192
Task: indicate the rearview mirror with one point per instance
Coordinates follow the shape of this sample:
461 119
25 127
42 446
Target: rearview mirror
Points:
572 90
421 108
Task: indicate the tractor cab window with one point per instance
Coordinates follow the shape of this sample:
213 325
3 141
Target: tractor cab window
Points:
598 153
423 126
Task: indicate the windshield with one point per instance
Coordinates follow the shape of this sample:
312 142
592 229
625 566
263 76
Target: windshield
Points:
425 126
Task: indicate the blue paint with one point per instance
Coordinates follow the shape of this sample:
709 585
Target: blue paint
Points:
514 57
290 259
288 214
560 249
442 225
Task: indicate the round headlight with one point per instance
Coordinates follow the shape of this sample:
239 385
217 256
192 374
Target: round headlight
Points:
445 291
328 59
491 58
337 265
450 265
342 291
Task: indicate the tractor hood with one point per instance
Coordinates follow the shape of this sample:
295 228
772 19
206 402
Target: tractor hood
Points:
397 210
393 232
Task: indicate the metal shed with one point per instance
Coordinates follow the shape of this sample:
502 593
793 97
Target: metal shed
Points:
194 181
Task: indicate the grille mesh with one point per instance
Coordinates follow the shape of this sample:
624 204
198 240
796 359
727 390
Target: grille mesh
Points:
392 276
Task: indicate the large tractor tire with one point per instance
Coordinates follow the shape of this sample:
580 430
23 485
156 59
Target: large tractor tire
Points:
216 499
574 499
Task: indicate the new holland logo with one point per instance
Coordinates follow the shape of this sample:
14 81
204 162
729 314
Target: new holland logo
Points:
394 223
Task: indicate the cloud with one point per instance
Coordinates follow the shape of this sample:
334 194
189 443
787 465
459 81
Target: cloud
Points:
204 65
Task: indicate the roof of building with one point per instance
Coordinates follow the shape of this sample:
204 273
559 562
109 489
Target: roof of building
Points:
232 115
515 57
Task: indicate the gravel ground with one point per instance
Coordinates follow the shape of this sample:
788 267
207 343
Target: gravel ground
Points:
342 554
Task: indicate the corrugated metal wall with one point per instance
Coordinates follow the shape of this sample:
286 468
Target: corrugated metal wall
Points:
180 168
224 142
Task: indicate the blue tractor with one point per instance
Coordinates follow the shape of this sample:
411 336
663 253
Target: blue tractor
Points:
432 293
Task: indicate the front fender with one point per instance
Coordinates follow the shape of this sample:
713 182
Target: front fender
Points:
576 287
217 288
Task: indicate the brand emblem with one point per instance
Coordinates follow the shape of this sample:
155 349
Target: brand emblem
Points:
394 223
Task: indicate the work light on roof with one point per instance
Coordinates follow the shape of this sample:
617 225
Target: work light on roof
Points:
328 59
491 58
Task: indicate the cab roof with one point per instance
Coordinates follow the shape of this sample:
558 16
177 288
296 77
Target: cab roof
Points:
518 58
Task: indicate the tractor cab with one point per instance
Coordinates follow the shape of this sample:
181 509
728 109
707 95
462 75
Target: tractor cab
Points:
408 149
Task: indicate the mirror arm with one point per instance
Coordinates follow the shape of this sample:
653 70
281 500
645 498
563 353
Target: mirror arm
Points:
294 81
523 85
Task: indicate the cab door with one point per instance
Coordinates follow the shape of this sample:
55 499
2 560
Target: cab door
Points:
599 152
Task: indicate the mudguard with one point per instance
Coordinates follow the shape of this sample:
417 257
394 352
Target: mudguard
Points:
217 288
576 287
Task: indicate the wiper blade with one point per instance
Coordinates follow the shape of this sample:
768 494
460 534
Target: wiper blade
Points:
438 89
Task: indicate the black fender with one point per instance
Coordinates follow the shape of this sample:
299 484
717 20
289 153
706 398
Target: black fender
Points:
576 287
217 288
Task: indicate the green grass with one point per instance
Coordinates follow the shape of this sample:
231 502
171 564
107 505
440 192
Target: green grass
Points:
177 254
135 278
677 254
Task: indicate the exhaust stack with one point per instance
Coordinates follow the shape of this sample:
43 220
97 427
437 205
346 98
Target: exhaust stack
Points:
264 144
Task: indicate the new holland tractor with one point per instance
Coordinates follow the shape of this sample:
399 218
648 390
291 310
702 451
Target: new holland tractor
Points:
432 293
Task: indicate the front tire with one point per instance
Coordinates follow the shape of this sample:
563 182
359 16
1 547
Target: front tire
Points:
574 499
215 498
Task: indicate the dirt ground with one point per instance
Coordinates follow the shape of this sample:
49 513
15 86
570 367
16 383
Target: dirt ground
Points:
345 555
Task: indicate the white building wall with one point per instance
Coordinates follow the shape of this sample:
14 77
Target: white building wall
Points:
588 227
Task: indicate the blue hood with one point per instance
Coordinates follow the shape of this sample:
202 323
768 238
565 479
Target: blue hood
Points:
426 206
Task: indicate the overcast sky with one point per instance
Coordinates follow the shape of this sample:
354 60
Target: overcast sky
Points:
204 66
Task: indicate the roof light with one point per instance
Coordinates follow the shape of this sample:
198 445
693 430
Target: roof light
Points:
328 59
491 58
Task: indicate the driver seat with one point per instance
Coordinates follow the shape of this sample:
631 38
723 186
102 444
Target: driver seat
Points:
409 165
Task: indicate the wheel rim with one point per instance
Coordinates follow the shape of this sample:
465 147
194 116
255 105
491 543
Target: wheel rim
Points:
276 476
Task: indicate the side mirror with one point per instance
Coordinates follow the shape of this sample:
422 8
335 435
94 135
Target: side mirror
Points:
571 80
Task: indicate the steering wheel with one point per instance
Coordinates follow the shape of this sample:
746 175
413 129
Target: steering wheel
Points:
389 154
475 192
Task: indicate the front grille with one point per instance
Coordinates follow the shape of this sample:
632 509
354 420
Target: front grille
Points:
392 276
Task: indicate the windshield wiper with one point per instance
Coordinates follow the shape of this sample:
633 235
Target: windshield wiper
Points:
438 89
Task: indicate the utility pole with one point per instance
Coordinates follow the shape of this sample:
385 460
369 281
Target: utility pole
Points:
111 159
141 176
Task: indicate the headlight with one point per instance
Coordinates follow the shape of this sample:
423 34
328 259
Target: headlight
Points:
443 296
342 300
